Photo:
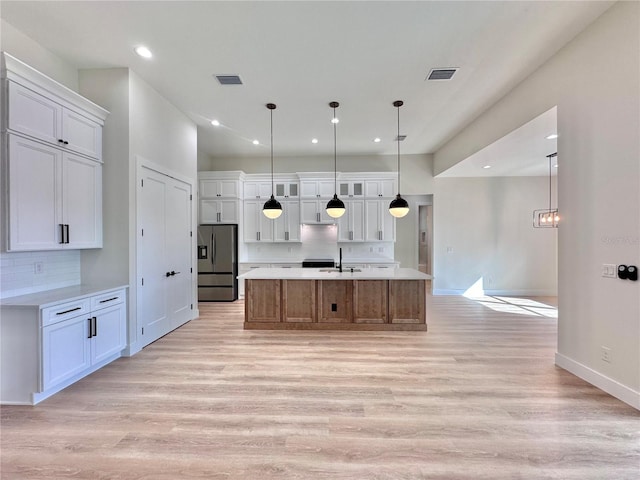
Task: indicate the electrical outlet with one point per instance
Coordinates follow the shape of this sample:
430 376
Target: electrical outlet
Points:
606 354
38 268
380 249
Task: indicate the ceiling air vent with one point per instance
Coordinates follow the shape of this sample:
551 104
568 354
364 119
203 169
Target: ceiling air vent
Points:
400 138
441 73
229 79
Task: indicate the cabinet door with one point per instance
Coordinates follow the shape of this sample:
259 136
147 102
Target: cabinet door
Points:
262 301
309 211
35 201
326 188
66 350
286 228
356 220
228 188
228 211
209 210
82 201
373 232
209 188
32 114
387 188
110 332
387 222
257 190
81 134
370 301
251 227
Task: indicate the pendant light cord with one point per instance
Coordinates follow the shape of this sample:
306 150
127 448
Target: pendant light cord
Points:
271 111
335 156
398 142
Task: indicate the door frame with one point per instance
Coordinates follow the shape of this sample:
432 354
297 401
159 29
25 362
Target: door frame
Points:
142 163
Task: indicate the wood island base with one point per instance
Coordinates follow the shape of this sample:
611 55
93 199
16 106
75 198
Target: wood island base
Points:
340 304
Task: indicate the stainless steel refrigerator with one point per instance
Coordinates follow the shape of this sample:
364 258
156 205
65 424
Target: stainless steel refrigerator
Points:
217 263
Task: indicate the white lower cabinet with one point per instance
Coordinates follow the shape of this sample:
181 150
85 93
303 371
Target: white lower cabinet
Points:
45 349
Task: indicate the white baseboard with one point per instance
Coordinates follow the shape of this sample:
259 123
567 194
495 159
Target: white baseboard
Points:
506 293
612 387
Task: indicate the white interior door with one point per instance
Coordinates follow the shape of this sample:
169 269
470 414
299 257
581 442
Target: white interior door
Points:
178 242
164 246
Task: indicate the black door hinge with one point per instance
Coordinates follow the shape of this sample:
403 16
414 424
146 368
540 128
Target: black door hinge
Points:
142 231
142 183
190 197
192 306
142 330
143 281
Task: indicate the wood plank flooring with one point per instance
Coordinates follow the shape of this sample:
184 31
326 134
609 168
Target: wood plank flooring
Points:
475 397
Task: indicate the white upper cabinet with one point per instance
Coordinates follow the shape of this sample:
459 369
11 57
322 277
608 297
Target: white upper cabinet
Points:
286 189
39 117
219 210
380 188
351 224
314 211
257 189
213 188
317 188
286 228
351 189
380 225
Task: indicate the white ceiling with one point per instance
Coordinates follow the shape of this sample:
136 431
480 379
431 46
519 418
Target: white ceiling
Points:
302 55
521 153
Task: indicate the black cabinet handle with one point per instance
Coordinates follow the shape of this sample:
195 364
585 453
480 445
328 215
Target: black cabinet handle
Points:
108 300
168 274
60 140
66 227
95 326
90 327
69 311
66 143
61 233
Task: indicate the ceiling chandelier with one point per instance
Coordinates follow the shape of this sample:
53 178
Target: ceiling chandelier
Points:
547 218
272 208
398 206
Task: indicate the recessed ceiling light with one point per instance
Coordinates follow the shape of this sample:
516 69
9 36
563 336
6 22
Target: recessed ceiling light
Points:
314 140
256 142
143 51
335 120
215 123
377 140
487 166
552 136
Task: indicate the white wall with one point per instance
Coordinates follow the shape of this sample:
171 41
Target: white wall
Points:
159 131
483 229
110 89
35 55
594 81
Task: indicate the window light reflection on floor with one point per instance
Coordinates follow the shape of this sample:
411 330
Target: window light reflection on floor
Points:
515 305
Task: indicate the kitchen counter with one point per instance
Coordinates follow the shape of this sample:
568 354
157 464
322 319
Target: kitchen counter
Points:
322 274
325 299
49 298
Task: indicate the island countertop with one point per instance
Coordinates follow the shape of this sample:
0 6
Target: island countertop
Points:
323 274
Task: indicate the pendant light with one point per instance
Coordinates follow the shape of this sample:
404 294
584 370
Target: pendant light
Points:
398 206
335 207
547 218
272 208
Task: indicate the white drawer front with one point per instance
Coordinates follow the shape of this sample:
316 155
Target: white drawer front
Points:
107 299
65 311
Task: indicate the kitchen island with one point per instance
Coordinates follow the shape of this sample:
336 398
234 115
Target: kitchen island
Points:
326 299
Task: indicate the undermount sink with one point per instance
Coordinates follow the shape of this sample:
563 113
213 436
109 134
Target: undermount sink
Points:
344 270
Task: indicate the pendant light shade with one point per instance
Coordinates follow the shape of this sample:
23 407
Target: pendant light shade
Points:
398 206
335 207
272 208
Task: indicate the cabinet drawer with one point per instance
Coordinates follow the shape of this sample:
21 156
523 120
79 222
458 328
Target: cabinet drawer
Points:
65 311
107 299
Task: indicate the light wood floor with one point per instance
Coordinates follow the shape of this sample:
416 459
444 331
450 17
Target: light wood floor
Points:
475 397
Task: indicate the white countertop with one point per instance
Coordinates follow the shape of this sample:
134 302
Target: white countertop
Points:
318 274
344 261
53 297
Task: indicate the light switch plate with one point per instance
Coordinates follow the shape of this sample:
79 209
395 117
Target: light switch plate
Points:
609 270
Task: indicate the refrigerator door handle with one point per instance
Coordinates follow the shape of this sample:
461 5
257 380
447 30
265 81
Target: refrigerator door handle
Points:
213 250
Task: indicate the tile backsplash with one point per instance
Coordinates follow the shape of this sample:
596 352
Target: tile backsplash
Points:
30 272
